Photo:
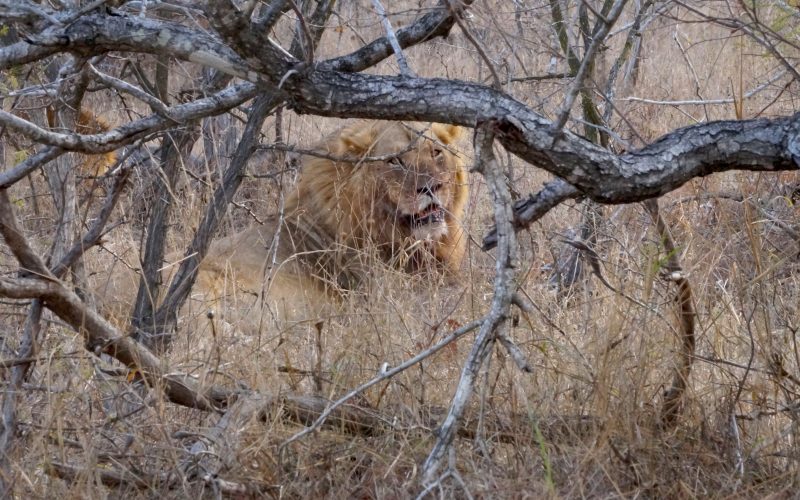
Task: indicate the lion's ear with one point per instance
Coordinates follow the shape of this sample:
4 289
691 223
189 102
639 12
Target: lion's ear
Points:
448 134
358 139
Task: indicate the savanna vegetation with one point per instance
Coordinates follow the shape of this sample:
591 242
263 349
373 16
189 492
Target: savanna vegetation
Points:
623 323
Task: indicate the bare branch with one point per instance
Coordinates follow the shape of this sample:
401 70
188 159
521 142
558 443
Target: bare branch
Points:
384 375
534 207
155 104
497 83
405 70
504 288
432 25
100 335
598 38
22 169
109 141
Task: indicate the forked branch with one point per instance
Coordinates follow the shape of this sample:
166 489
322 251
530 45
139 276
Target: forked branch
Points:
504 288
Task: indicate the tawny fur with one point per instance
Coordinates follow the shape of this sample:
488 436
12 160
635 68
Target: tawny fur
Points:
88 123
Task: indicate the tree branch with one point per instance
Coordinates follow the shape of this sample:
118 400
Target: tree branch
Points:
504 289
99 334
534 207
599 174
217 103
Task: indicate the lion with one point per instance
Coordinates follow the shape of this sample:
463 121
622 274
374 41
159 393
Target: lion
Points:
384 191
373 193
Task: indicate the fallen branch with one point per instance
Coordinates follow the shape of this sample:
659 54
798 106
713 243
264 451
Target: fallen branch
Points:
99 334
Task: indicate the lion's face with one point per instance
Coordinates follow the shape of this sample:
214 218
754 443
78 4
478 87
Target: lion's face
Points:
417 185
398 184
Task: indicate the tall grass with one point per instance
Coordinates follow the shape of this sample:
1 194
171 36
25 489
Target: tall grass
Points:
584 423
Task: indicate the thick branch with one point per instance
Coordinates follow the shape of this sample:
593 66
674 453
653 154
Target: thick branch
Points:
534 207
601 175
432 25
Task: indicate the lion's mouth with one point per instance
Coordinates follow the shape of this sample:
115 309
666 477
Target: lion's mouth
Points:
432 214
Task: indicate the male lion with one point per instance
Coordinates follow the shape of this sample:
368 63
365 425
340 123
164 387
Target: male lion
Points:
381 191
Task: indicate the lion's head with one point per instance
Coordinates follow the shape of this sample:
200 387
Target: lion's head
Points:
397 186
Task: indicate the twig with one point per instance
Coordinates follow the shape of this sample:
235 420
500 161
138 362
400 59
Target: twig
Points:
498 84
515 352
628 53
688 61
405 70
316 153
155 103
539 78
384 375
598 39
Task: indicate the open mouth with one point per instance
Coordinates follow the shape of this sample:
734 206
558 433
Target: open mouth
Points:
432 214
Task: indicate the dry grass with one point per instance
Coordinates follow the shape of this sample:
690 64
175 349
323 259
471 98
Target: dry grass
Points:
584 423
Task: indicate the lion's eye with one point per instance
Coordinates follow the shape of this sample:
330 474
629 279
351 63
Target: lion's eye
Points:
397 162
437 152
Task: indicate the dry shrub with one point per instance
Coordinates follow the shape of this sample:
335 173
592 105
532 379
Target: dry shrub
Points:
584 423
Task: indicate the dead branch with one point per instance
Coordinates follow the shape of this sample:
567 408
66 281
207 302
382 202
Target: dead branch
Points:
674 396
140 480
99 334
534 207
222 101
385 375
405 69
25 167
504 289
327 91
